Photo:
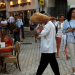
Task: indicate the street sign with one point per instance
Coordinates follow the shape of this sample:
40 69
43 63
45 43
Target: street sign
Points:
41 2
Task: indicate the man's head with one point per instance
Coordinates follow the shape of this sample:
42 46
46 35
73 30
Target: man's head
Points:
3 18
40 20
21 16
61 17
10 14
16 17
42 12
43 20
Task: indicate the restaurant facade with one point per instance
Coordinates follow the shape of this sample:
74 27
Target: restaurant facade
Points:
28 7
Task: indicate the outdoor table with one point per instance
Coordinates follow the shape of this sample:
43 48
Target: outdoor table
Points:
4 48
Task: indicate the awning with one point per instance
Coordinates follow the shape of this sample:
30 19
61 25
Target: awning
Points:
3 9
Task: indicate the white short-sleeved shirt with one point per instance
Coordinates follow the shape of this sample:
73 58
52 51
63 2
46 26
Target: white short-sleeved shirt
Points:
11 19
21 21
60 27
4 22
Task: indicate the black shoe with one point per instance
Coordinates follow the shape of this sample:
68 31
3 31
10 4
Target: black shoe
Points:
23 38
35 41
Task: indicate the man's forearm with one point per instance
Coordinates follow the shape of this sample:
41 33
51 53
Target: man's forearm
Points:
4 25
69 30
73 28
66 31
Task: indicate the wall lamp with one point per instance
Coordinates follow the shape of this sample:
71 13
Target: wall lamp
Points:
19 1
29 3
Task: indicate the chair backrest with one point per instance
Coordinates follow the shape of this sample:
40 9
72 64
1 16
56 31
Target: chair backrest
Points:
12 41
17 47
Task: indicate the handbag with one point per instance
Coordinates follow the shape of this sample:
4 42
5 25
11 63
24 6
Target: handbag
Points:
14 28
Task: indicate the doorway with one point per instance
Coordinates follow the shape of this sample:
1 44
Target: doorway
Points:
60 7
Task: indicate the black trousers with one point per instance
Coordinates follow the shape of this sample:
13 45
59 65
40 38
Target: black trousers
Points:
17 36
1 61
45 59
22 28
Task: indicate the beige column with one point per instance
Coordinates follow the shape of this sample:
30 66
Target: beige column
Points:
7 7
37 5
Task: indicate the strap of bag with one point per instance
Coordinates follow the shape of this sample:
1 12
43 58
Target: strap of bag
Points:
66 34
71 27
57 28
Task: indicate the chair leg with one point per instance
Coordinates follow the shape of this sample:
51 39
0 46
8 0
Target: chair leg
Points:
14 63
5 68
18 65
12 51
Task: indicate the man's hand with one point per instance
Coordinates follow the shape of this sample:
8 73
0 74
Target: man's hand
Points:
41 28
3 25
71 30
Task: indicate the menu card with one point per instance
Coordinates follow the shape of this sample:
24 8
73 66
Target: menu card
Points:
2 44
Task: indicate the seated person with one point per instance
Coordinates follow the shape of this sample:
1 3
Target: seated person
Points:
6 39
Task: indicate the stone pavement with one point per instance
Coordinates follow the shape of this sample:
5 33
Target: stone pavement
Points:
29 60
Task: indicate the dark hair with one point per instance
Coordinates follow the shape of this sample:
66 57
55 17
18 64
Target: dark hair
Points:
3 33
3 18
61 15
16 15
69 14
42 12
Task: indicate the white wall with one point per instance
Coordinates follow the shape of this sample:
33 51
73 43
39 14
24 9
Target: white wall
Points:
72 6
51 3
71 2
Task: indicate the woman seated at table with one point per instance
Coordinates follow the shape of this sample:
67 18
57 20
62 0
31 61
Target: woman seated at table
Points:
6 39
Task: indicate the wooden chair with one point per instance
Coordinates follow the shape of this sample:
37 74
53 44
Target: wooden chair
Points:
13 58
8 53
12 40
